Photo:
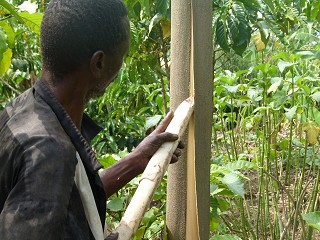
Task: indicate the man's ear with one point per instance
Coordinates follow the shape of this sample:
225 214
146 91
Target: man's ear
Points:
97 63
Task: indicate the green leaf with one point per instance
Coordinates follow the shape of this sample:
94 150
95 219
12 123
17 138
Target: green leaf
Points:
3 41
107 160
232 89
274 86
5 61
33 21
156 18
282 65
234 183
225 237
146 6
221 35
292 111
162 6
252 4
316 96
149 217
240 164
115 204
312 219
140 233
152 121
11 9
9 32
240 30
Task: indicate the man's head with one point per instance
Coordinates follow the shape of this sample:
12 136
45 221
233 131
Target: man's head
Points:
72 31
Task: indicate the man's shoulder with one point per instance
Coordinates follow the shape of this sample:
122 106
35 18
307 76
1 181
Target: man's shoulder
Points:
29 117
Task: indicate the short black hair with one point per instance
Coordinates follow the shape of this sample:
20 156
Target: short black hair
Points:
72 30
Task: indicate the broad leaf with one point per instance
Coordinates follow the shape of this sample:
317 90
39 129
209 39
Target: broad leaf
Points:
234 183
312 219
5 61
9 32
162 6
3 41
154 21
260 45
274 86
11 9
240 164
115 204
316 96
282 65
232 89
290 114
152 121
221 35
33 21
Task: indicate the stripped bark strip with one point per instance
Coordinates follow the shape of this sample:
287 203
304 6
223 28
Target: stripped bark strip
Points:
153 173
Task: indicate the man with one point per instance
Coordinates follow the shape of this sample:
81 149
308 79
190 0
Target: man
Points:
83 44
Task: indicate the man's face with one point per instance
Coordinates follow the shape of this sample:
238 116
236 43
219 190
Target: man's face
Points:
112 65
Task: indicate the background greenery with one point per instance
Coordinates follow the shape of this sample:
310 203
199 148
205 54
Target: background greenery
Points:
265 155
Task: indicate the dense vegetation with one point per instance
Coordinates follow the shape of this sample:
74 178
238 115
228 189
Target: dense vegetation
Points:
266 123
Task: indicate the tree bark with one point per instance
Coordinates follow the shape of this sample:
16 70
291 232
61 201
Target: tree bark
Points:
188 198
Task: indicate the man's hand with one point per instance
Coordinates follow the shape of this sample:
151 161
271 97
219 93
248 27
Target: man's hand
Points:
119 174
112 236
146 149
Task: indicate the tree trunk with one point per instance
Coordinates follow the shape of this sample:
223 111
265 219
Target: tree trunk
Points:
188 199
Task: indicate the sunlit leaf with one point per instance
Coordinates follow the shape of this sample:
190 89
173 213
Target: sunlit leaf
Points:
234 183
312 132
3 41
274 86
232 89
166 28
312 219
154 21
260 45
33 21
282 65
290 114
107 160
11 9
240 164
316 96
9 32
152 121
5 62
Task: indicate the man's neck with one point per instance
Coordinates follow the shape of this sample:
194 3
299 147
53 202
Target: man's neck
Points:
71 91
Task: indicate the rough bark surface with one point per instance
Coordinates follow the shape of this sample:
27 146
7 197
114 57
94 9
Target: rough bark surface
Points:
179 90
188 198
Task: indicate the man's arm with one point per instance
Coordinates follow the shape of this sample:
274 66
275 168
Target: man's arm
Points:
119 174
37 205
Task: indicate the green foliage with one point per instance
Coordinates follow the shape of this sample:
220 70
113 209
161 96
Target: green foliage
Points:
312 219
266 109
20 60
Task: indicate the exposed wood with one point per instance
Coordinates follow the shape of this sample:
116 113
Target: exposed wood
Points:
153 173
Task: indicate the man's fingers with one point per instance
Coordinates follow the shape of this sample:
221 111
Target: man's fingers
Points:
112 236
164 123
167 137
181 145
